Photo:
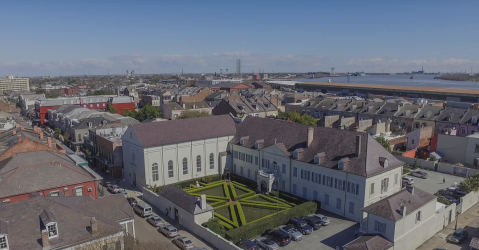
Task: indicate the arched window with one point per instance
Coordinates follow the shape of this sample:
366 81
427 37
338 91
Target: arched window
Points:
154 171
212 161
185 166
170 169
198 163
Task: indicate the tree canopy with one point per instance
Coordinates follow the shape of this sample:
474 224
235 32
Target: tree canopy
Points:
470 184
102 92
144 113
298 118
193 114
384 143
112 109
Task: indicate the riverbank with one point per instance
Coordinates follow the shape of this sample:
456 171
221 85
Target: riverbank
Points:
459 77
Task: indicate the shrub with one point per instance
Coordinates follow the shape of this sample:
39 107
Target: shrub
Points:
289 197
233 215
241 213
214 224
243 188
257 227
245 181
207 179
233 191
265 204
225 190
218 203
186 184
197 190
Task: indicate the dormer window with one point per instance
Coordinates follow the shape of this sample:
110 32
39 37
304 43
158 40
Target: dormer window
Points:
319 158
474 119
343 163
49 222
316 159
255 106
383 162
244 140
295 154
404 113
3 235
52 230
3 242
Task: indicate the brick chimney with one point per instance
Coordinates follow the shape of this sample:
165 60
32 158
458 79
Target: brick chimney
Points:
49 139
35 129
45 240
94 226
14 132
19 138
358 145
310 135
184 105
22 128
41 135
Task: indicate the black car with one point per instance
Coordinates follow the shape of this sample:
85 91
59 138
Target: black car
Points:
248 245
301 225
132 201
281 238
458 236
313 221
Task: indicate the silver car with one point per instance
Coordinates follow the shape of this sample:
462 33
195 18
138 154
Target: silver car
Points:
124 193
324 220
114 189
420 174
266 244
168 230
183 243
156 221
295 235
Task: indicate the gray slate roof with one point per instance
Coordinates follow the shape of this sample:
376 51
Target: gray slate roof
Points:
452 115
369 242
183 130
390 207
371 107
183 199
467 118
336 144
24 223
429 112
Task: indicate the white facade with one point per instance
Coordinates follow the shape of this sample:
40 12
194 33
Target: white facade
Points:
169 164
15 84
219 81
339 192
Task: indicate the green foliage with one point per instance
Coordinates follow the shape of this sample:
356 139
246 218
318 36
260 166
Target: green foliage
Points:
87 151
215 225
298 118
57 132
206 179
112 109
470 184
443 200
384 143
102 92
144 113
226 191
233 191
155 189
288 197
192 114
257 227
241 213
52 95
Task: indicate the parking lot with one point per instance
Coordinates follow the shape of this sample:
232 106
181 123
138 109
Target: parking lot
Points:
434 181
338 233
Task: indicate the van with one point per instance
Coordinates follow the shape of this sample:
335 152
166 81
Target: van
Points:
143 209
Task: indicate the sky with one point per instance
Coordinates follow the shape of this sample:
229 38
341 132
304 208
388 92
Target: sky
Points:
157 37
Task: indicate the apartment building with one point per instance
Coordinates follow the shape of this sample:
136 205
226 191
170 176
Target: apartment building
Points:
14 84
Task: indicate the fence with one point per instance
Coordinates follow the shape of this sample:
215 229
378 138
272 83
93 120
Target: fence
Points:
213 238
468 201
421 163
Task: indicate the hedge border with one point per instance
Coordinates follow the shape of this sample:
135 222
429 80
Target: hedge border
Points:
226 191
233 215
264 205
224 219
233 191
241 213
274 200
248 191
203 188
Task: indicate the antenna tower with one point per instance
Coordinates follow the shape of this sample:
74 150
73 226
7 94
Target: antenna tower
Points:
238 67
332 71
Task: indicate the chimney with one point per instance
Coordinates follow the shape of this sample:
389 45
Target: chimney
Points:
45 240
403 209
93 226
22 128
17 126
49 139
310 135
410 189
14 132
203 202
35 129
184 105
19 138
358 145
194 106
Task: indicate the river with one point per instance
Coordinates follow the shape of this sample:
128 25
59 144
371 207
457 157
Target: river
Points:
399 80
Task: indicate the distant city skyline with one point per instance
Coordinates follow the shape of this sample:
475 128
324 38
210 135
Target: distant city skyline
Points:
97 38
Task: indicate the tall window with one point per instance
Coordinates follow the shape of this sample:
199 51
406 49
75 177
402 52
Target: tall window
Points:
338 203
371 190
212 161
295 172
241 170
294 188
52 230
198 163
396 177
283 169
185 166
326 199
3 242
170 169
249 173
351 207
384 185
380 227
154 171
78 191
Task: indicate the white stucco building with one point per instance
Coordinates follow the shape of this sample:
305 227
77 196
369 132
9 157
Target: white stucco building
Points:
162 153
344 170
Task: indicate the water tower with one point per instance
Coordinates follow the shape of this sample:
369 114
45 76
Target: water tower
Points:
332 71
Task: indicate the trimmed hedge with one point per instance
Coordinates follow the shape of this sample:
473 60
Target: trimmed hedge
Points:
215 205
248 191
267 206
276 200
186 184
241 213
244 181
257 227
226 225
226 191
233 191
289 197
212 197
196 190
233 215
224 219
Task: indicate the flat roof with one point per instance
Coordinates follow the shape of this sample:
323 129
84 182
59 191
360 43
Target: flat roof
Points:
389 87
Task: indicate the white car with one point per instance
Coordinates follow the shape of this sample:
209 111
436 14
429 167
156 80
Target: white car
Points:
114 189
156 221
183 243
266 243
295 234
324 220
168 230
124 193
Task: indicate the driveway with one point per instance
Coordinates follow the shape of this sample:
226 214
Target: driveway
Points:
434 181
338 233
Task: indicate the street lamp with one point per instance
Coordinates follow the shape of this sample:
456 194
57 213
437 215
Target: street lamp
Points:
457 215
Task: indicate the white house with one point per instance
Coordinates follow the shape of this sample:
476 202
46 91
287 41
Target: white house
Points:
162 153
408 218
344 170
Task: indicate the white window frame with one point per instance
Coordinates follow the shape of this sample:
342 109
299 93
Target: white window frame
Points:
154 172
74 191
48 226
56 191
351 207
4 240
198 163
185 166
212 161
171 172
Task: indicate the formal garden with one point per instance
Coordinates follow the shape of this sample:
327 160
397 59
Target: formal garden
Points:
241 213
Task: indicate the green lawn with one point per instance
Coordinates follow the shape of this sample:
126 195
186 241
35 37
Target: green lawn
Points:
254 213
259 198
225 212
240 192
216 191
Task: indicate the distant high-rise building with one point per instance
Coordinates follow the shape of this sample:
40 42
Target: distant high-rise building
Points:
14 84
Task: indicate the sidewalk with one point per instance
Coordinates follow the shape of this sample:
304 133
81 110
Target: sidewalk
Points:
468 220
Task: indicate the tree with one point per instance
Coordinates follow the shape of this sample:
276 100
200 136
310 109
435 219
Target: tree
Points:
57 132
214 225
101 92
385 143
298 118
112 109
193 114
147 112
470 184
52 95
130 113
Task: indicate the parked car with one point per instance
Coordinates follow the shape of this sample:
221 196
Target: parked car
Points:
248 245
168 230
281 238
313 222
183 243
445 192
404 184
324 220
458 236
456 191
301 225
132 201
106 183
198 248
408 180
420 174
289 229
266 243
124 193
143 209
156 221
451 199
114 189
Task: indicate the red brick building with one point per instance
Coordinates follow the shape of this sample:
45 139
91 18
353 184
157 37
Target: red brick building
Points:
122 103
69 91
